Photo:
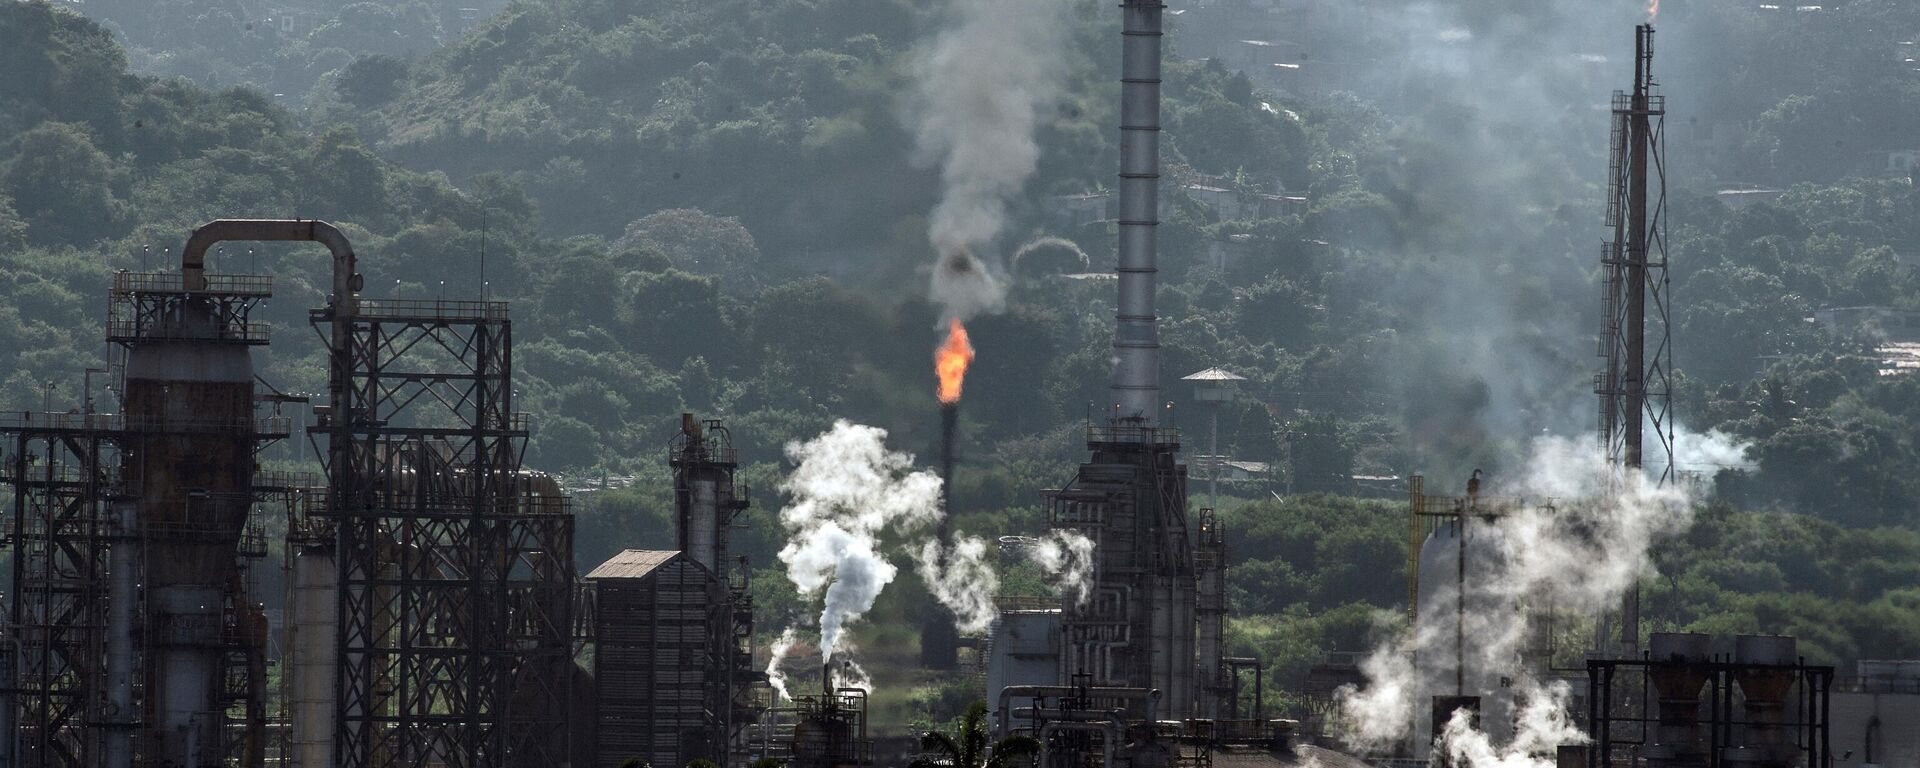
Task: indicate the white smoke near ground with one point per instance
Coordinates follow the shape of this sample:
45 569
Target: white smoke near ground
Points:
845 489
1067 559
776 676
983 85
1379 716
1542 726
961 578
846 492
1577 540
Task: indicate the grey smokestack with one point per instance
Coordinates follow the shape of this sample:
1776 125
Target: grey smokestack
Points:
1136 339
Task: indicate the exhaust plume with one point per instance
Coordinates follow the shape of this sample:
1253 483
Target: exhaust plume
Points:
776 676
1541 727
849 674
1606 523
961 578
1709 452
1049 241
984 84
963 287
845 489
950 361
1067 558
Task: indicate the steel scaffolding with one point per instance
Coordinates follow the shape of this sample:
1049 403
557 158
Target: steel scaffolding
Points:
455 572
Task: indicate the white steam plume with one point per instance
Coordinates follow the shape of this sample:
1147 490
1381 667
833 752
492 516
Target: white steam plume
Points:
849 674
1049 241
1522 558
1067 558
984 84
776 676
1710 452
1541 727
961 578
847 488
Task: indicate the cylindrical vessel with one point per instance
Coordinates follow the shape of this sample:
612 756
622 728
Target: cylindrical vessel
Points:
1136 341
312 616
703 518
189 407
121 591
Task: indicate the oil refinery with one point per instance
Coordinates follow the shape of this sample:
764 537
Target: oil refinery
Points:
436 615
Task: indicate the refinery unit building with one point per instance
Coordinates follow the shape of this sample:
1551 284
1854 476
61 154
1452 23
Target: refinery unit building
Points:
673 630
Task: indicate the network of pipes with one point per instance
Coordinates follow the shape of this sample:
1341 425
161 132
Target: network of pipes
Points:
435 617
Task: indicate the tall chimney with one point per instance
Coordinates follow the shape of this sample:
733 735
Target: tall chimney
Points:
1136 339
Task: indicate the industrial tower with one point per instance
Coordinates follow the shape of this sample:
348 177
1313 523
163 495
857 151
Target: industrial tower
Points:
134 635
1636 389
454 589
708 502
1136 630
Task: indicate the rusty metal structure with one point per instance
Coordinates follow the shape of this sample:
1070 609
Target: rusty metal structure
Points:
1636 387
453 568
830 730
134 637
709 501
653 661
430 579
1682 704
673 630
1217 683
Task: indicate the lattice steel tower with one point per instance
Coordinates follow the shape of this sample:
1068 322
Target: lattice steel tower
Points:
1636 389
455 568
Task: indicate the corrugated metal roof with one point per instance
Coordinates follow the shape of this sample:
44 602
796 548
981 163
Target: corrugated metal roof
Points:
1214 374
632 564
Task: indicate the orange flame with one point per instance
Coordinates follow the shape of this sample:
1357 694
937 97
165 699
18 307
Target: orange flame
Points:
1653 10
951 359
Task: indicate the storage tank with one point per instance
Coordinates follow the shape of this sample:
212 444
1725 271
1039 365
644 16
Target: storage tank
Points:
189 406
1451 654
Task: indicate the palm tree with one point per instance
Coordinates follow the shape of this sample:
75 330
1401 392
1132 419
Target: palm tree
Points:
968 747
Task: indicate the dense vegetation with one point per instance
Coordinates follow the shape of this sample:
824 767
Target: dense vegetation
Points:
709 206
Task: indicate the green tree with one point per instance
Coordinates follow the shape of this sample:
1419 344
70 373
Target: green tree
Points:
371 81
672 316
701 243
13 229
1322 455
968 747
62 184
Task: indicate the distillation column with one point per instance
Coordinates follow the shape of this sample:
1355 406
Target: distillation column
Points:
189 406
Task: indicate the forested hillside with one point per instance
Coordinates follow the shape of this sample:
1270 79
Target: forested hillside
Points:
713 206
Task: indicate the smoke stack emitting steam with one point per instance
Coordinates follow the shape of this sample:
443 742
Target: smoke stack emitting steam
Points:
847 490
1533 546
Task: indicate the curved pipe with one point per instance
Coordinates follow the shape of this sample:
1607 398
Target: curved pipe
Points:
1007 715
193 257
1113 726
